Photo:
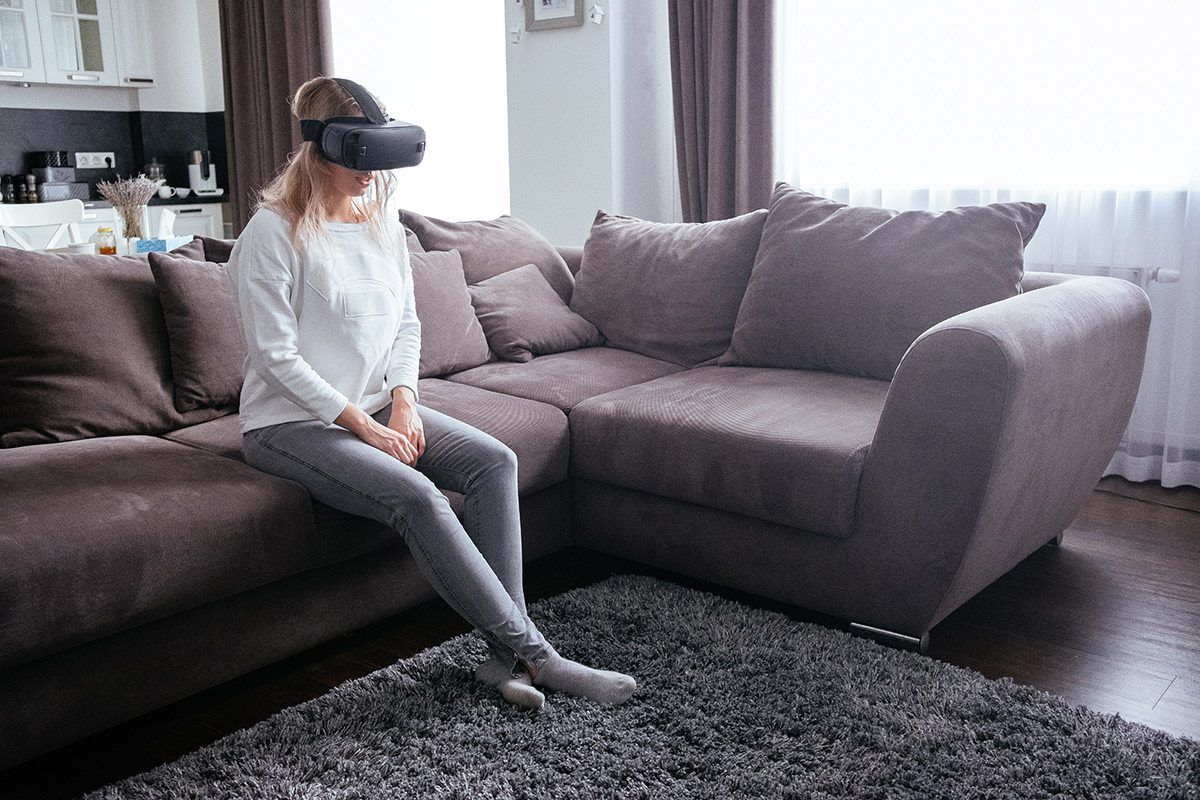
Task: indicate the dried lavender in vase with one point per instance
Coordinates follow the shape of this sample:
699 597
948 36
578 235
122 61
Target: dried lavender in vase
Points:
129 197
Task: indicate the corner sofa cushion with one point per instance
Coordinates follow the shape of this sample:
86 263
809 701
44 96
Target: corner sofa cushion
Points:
208 351
522 316
565 379
666 290
848 289
84 351
451 338
536 432
785 446
216 250
490 247
147 528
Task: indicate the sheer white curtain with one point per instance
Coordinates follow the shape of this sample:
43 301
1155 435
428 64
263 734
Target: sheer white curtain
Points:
1093 109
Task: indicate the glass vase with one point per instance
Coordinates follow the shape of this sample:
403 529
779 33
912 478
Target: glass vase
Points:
132 219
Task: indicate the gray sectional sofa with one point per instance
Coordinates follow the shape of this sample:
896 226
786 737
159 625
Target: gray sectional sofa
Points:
868 414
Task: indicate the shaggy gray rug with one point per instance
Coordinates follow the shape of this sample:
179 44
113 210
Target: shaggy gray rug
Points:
732 703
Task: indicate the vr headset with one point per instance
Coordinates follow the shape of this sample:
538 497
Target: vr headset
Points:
375 143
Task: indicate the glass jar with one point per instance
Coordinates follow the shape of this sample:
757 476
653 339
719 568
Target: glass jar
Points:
106 242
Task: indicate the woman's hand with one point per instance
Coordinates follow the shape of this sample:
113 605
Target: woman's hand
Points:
406 422
404 436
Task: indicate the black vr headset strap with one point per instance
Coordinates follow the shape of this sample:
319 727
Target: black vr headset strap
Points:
310 129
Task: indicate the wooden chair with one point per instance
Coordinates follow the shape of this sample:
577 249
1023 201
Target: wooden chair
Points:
66 214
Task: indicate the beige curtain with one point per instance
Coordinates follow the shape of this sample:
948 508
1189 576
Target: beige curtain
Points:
721 78
268 48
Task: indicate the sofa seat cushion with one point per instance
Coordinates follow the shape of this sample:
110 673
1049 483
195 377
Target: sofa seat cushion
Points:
786 446
101 535
536 432
565 379
221 436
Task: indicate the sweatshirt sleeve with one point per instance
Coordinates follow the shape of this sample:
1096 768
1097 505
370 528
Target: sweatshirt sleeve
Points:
263 273
405 361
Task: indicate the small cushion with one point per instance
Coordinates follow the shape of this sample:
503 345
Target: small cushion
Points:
216 250
84 351
490 247
666 290
451 339
522 316
848 289
208 351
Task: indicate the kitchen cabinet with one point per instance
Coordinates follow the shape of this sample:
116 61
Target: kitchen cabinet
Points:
78 42
20 42
199 219
131 29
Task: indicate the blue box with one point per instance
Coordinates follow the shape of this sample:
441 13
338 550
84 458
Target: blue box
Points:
162 245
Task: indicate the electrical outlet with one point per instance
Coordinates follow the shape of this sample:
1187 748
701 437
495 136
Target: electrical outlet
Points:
95 160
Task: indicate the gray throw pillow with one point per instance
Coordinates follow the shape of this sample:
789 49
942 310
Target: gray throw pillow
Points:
490 247
848 289
523 317
668 290
451 339
84 351
208 351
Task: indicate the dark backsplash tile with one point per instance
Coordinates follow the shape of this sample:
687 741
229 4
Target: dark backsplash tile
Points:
133 136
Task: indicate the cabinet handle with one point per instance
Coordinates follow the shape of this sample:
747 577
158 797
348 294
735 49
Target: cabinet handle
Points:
139 80
11 73
83 77
190 211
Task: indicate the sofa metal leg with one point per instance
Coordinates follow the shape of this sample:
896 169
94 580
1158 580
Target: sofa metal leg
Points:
1056 541
891 638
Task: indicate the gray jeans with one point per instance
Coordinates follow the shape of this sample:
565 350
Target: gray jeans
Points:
475 565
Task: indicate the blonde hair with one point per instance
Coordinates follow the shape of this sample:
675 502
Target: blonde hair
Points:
298 193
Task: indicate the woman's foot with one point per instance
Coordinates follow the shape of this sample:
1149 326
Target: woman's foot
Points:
574 678
517 689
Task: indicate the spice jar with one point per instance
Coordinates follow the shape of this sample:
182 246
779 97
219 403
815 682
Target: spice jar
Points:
106 242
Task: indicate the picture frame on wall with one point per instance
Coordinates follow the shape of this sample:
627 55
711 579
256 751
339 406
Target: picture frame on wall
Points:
546 14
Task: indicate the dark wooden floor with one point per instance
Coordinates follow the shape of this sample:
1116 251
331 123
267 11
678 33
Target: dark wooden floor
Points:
1110 620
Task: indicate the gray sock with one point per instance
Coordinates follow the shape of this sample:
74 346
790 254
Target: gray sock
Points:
574 678
516 689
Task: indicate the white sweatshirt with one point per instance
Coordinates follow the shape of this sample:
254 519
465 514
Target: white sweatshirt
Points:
333 326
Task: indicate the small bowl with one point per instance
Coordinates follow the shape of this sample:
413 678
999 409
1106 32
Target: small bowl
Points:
182 191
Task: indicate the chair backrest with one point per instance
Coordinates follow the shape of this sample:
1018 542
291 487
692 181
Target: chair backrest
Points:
66 214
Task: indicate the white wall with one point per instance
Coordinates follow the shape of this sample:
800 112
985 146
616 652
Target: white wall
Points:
590 120
187 61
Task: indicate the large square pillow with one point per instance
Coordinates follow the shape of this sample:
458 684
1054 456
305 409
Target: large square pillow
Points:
523 317
84 351
668 290
490 247
208 351
848 289
216 251
451 339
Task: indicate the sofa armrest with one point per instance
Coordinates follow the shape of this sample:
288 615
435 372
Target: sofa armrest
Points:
1032 279
997 426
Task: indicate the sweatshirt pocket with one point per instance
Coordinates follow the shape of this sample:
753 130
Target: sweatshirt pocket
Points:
367 300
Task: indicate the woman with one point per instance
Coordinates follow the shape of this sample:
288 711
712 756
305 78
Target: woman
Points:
325 299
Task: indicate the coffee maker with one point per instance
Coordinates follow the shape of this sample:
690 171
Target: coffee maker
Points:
202 175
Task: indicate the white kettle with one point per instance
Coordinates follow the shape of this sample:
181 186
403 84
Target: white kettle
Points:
202 175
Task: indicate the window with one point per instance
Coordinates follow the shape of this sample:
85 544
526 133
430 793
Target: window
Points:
440 66
1088 108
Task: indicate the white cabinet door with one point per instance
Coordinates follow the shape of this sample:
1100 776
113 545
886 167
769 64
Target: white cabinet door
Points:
135 58
201 219
78 43
20 42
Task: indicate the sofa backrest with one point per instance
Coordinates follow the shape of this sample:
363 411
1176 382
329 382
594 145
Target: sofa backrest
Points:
85 351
